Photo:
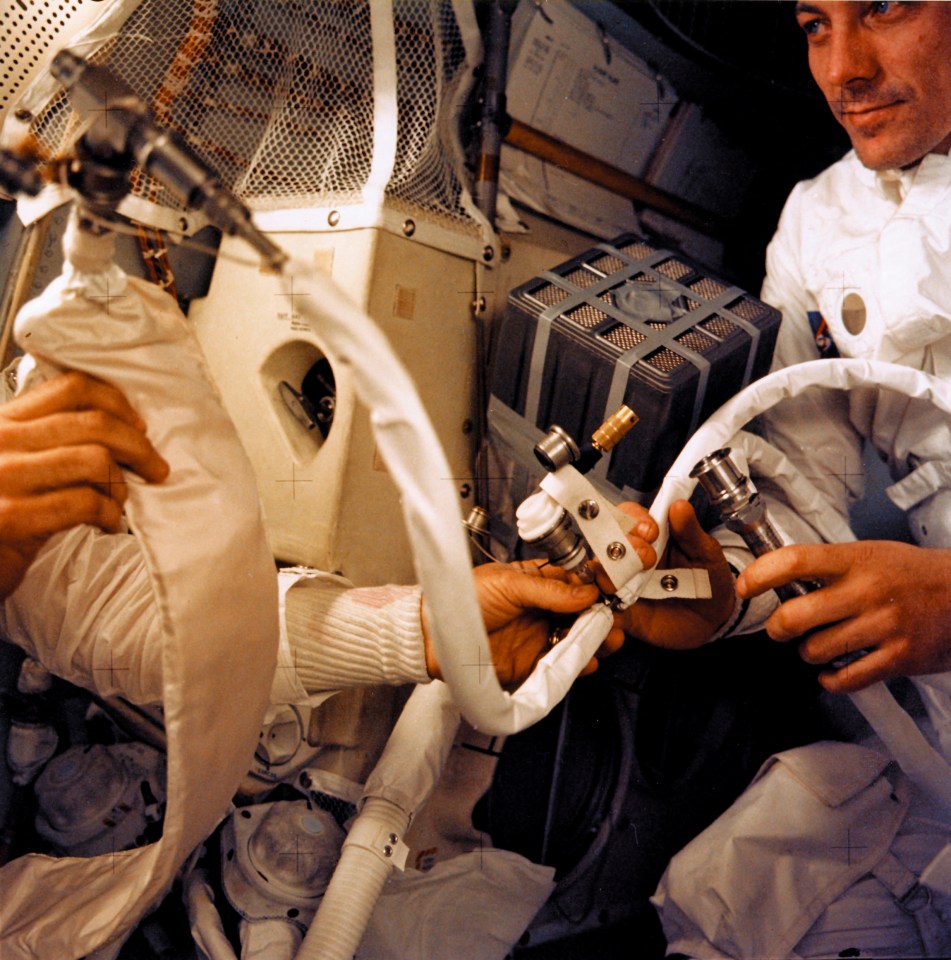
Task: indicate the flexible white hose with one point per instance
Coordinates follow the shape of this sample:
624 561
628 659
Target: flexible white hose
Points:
356 886
920 761
403 778
802 494
414 457
761 395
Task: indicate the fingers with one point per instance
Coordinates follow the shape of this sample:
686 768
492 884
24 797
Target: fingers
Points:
815 561
544 592
874 666
694 542
645 526
69 392
64 445
48 491
849 636
589 668
642 534
74 409
26 474
58 510
535 568
612 642
127 445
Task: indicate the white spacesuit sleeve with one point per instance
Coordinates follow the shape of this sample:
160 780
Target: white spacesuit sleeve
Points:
812 429
87 611
341 636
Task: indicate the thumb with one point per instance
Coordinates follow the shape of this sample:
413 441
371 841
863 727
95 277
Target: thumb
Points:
543 593
693 541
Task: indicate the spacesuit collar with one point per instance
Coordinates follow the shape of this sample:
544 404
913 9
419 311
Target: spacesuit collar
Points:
894 183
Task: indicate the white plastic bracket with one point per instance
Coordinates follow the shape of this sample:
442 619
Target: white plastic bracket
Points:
380 840
605 528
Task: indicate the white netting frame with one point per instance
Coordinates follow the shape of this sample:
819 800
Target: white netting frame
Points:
278 96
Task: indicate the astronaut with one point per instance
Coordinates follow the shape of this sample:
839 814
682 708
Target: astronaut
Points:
859 265
864 246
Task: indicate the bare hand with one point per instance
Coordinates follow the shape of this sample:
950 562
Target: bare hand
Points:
522 604
62 447
891 598
684 624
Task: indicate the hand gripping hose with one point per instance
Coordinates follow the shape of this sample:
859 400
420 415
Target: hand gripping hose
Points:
414 457
920 761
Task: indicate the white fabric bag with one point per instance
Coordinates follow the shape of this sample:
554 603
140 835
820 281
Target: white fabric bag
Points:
816 828
215 595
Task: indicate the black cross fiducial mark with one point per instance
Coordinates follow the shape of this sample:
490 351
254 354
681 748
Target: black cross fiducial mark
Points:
112 669
837 104
297 853
490 751
659 102
107 297
478 299
293 664
290 294
293 481
849 846
480 664
841 475
842 286
109 483
105 109
655 286
112 855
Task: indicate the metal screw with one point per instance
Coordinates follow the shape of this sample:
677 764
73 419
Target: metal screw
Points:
487 253
588 509
387 851
669 582
305 780
394 838
333 218
616 550
409 228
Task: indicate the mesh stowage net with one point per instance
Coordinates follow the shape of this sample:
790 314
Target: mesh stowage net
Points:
278 97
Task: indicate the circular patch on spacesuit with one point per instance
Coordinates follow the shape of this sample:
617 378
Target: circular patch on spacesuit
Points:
853 313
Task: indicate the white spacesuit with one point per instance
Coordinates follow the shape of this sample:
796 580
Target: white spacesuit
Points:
828 843
867 254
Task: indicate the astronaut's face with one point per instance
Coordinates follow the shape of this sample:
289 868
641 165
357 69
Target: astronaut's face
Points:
885 70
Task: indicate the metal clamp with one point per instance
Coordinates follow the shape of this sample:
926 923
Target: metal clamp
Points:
382 841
